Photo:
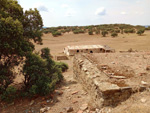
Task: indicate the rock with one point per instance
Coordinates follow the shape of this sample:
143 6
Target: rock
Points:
67 87
112 62
69 109
87 111
43 103
144 83
84 107
143 100
75 92
74 101
32 102
48 100
118 77
42 110
78 96
58 92
97 110
43 98
85 93
143 74
148 68
80 111
11 104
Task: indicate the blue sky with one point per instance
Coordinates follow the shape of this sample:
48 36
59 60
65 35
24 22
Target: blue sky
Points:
90 12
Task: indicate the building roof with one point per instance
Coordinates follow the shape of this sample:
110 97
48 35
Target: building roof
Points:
85 47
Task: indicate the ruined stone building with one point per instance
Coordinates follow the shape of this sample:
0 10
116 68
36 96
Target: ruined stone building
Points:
72 50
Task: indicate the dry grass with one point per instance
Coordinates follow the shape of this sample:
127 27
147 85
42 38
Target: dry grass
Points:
121 43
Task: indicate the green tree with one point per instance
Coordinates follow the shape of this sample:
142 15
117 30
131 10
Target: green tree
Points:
41 73
140 31
104 33
114 34
90 32
17 29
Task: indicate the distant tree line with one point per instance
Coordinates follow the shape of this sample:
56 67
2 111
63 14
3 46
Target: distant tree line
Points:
103 30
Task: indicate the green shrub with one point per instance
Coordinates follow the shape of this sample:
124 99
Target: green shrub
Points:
62 66
77 31
45 52
117 31
90 32
9 94
63 31
129 31
6 77
57 33
97 32
114 34
41 73
104 33
140 31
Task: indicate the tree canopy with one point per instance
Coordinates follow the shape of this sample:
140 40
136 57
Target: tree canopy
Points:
17 29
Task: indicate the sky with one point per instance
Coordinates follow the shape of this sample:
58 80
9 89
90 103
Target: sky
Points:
90 12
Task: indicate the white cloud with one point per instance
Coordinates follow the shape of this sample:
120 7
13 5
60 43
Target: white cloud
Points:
65 6
41 7
52 10
70 13
138 1
123 13
100 11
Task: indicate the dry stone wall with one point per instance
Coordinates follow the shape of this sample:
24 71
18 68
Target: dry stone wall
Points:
101 92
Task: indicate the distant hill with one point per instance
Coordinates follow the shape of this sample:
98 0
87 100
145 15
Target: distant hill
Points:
146 26
45 27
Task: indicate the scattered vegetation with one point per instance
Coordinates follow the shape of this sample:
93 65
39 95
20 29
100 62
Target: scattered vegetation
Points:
95 29
77 31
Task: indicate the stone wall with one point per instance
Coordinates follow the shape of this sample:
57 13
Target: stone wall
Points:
101 92
61 58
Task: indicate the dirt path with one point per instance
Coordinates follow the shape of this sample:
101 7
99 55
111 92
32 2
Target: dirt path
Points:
70 95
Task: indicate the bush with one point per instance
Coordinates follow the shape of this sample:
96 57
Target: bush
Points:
97 32
9 94
62 66
41 74
77 31
114 34
117 31
129 31
45 53
140 31
6 77
104 33
57 33
90 32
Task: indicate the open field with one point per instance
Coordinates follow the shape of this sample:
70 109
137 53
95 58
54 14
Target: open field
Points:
121 43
